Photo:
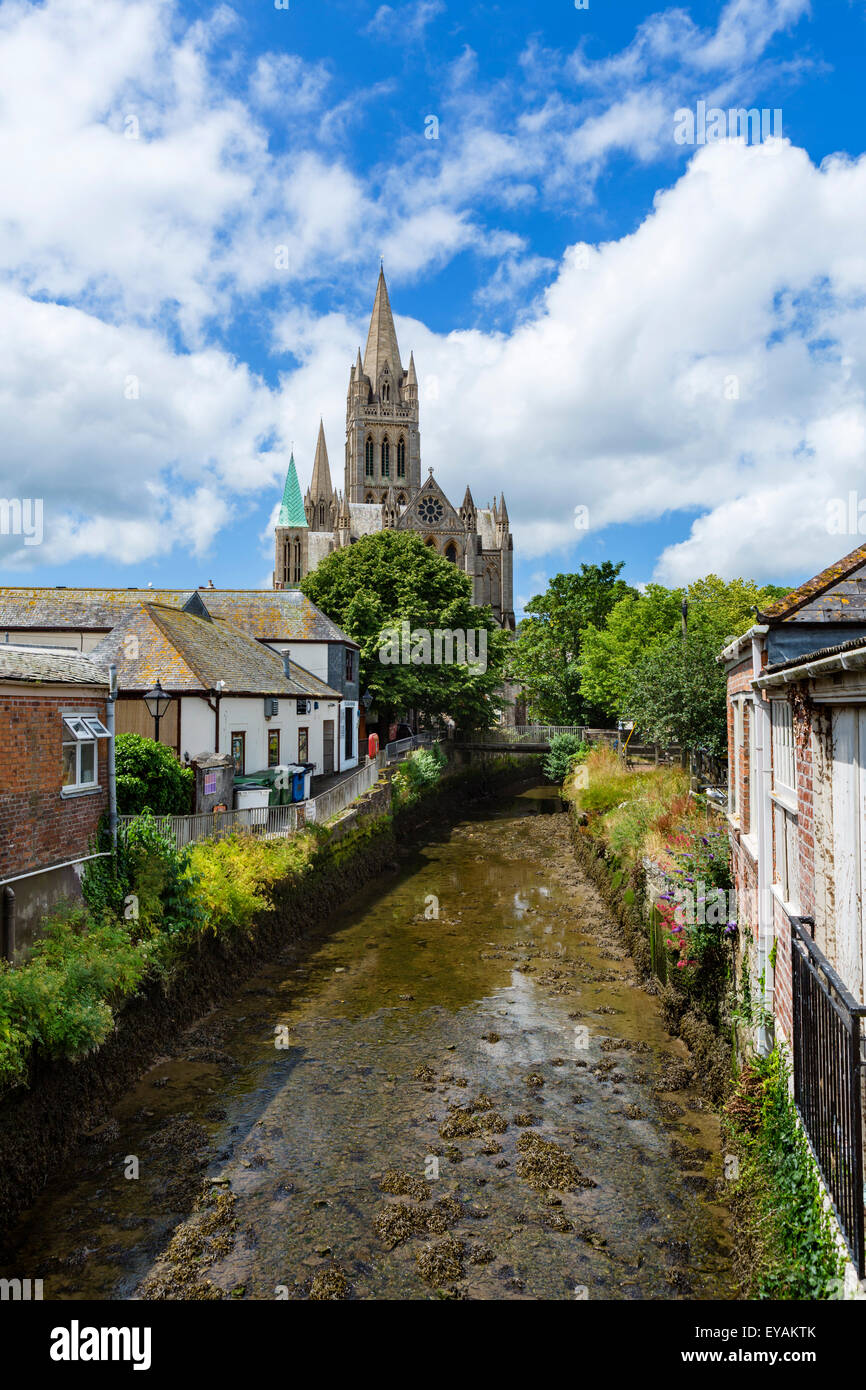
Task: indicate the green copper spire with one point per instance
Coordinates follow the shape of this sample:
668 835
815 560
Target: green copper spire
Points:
292 510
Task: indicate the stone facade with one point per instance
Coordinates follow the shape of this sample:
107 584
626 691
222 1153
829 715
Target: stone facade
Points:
382 485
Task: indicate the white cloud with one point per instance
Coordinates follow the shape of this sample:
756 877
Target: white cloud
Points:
406 24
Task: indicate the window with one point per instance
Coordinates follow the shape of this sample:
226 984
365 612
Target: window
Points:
350 664
386 459
368 457
451 553
303 745
401 499
369 497
296 565
784 774
401 457
303 706
321 513
78 752
734 806
273 747
386 391
430 510
239 753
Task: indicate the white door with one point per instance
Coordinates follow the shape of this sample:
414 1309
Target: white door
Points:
849 842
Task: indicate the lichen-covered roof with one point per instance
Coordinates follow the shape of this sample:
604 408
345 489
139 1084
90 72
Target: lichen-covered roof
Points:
813 588
366 518
270 615
43 666
188 654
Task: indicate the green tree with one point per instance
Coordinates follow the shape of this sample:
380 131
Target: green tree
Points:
150 778
677 694
547 651
370 589
641 623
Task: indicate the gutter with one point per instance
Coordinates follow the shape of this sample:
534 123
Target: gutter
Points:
734 650
810 670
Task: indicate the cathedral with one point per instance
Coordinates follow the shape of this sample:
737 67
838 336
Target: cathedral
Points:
382 484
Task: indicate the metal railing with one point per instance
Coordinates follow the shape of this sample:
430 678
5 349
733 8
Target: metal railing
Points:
267 822
828 1079
399 747
522 733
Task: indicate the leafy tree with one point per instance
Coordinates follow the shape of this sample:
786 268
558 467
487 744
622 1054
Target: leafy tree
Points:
677 694
374 587
149 777
641 623
565 749
547 652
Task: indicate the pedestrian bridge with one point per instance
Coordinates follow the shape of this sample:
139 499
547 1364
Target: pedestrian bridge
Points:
517 738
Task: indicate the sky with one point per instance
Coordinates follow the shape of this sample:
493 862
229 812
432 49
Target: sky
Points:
654 346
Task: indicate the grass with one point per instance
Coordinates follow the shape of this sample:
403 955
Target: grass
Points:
634 811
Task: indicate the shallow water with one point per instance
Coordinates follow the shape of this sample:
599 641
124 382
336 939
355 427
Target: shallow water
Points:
301 1093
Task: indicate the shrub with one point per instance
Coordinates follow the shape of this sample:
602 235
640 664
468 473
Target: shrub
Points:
149 883
235 877
63 1001
565 751
422 768
149 777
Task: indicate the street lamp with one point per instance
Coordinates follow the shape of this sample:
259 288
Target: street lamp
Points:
157 702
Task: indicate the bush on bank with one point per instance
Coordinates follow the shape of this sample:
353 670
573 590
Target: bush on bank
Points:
787 1248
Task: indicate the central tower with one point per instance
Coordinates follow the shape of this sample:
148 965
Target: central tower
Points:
383 441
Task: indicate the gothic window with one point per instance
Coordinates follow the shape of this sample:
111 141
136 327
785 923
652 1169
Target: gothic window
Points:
287 563
321 513
386 459
430 510
296 562
386 391
431 540
368 458
401 458
451 553
369 497
401 499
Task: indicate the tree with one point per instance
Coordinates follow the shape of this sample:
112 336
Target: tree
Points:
641 623
392 593
149 777
677 694
547 651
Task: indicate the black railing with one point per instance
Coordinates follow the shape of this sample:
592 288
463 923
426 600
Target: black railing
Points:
828 1076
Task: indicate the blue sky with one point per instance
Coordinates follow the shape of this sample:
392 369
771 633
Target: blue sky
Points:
670 335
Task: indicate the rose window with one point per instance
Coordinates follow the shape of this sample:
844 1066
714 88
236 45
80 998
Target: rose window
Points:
430 510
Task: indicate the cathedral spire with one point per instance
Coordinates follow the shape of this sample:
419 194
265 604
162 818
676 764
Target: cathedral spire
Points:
382 338
292 507
321 488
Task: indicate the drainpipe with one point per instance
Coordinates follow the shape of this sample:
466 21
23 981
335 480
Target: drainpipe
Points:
763 771
7 922
112 768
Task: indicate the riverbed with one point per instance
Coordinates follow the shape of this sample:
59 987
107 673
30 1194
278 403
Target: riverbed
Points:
458 1091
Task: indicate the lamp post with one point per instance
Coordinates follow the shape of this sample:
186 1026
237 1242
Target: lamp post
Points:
157 702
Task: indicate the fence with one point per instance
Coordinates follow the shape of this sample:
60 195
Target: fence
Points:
828 1078
400 746
268 822
523 733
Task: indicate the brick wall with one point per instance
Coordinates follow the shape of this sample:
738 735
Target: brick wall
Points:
39 827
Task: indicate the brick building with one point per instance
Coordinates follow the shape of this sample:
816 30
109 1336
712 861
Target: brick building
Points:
53 780
797 814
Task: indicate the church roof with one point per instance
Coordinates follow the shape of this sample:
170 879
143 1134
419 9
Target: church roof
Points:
321 482
382 338
366 518
292 508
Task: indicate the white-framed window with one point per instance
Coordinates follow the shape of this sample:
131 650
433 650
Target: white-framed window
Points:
734 806
784 766
754 790
80 761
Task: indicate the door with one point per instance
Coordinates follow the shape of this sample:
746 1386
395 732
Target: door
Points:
849 842
328 746
239 752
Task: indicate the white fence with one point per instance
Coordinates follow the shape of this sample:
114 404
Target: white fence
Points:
270 822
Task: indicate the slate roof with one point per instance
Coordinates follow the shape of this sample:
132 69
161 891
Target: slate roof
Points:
814 588
806 658
269 615
46 666
189 654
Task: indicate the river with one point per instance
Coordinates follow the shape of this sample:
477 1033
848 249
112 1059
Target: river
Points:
458 1091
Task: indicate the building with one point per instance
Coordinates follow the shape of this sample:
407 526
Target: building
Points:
382 484
285 622
229 693
53 781
797 814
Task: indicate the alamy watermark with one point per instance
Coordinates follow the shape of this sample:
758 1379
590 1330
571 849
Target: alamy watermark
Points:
846 516
22 516
708 124
421 646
